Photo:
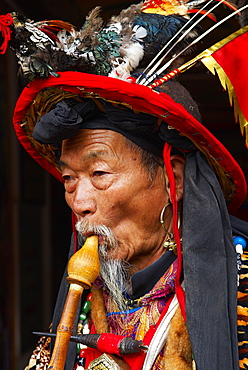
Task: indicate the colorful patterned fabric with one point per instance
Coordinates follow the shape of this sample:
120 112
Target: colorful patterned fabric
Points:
136 322
243 313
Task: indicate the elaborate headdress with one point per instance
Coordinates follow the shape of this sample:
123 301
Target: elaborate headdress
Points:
134 48
100 69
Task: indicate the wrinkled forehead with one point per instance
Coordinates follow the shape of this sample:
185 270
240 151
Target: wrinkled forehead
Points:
107 148
94 137
94 144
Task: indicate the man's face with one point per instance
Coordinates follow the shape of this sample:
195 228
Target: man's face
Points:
105 183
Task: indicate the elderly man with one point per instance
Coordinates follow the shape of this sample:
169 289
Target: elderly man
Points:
144 175
119 189
110 185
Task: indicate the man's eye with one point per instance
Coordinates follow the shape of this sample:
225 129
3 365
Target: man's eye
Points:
99 173
66 177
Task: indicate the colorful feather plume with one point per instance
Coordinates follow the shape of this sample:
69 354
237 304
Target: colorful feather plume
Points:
129 41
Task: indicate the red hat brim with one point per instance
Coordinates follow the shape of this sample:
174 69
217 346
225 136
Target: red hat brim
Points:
137 97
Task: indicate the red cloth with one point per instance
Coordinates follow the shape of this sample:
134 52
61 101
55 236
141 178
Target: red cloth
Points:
233 58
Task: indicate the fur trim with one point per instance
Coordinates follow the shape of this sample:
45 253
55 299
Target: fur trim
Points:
178 354
98 311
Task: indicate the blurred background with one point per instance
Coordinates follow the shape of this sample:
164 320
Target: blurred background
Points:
35 221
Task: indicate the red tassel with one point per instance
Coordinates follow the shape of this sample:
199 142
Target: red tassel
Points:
75 239
169 170
5 22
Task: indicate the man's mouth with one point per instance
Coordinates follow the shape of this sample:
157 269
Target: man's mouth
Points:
105 235
87 234
101 238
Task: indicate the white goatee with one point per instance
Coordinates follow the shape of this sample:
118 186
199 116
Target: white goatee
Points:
114 272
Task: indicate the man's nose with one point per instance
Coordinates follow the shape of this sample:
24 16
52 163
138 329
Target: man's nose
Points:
83 202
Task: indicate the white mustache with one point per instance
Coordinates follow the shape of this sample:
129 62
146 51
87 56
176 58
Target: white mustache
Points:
85 227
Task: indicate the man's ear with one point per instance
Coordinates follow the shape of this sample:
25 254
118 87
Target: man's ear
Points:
177 163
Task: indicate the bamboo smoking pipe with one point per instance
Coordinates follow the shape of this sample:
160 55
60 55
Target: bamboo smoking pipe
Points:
83 269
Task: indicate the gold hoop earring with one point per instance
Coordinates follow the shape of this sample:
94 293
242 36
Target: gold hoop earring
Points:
162 217
170 243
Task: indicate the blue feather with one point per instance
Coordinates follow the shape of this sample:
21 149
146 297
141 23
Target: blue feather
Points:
159 29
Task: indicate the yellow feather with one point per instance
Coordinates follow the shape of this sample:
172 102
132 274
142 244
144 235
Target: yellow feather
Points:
165 7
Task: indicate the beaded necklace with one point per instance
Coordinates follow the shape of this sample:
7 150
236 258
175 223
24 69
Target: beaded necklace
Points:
83 328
